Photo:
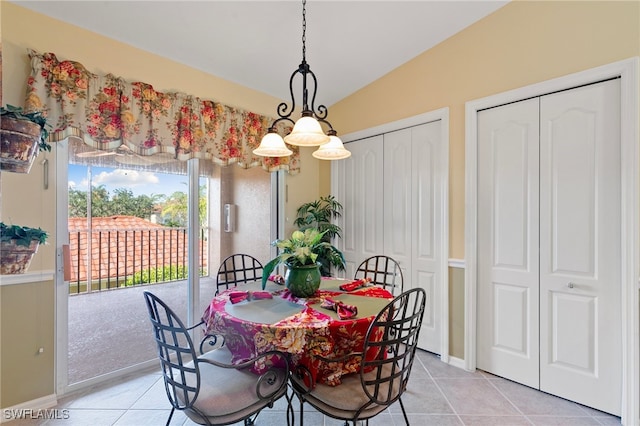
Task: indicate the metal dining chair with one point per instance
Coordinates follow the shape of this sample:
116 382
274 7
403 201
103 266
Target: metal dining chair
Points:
386 360
237 269
207 387
383 271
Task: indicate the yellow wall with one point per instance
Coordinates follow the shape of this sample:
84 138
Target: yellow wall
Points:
26 321
520 44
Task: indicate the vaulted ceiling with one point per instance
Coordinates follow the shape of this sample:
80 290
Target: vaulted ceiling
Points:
258 44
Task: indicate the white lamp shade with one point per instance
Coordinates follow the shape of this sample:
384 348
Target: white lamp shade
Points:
306 132
334 150
272 145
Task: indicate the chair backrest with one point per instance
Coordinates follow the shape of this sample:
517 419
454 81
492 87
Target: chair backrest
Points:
390 347
175 351
237 269
383 271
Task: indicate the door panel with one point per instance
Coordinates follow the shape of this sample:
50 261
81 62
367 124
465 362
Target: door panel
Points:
398 190
370 193
345 171
508 241
427 235
572 347
412 209
511 326
360 195
580 224
570 182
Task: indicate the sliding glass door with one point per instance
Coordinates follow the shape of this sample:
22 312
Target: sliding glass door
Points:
130 225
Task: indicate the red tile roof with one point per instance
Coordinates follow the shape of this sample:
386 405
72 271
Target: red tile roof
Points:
122 245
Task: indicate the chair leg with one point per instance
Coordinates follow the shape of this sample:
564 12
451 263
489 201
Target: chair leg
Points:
250 421
301 411
291 420
170 415
404 413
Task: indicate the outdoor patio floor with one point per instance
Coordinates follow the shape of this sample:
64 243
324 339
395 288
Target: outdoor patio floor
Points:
110 330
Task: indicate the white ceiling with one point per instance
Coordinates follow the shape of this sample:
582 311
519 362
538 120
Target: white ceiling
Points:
258 44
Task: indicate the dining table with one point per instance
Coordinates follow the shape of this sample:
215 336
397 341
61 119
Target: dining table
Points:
254 320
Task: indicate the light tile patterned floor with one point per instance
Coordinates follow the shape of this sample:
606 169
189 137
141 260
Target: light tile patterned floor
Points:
438 394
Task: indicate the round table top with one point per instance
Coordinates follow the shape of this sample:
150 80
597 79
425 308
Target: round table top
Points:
271 311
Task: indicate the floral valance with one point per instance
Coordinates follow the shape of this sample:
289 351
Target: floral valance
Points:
109 113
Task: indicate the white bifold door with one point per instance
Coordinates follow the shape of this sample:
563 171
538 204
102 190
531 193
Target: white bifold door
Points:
412 217
549 242
361 193
392 190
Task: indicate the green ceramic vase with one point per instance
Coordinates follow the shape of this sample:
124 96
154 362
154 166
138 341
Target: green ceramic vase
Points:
302 281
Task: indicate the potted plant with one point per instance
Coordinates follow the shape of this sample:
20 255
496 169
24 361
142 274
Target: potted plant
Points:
300 254
23 136
18 244
319 214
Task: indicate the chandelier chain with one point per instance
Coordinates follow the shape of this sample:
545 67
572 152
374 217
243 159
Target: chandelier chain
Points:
304 30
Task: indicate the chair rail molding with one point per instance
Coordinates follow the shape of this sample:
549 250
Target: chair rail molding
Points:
456 263
27 277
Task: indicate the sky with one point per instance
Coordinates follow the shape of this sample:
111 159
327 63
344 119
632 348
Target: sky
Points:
137 181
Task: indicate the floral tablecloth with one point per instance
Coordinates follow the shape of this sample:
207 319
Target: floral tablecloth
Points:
299 327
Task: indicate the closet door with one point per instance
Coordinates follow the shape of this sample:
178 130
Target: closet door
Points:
361 195
508 279
412 212
393 188
549 244
580 287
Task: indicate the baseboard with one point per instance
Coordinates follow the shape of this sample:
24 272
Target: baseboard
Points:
456 362
35 409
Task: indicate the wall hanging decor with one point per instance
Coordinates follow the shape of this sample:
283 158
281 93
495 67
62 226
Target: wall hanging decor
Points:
23 135
18 244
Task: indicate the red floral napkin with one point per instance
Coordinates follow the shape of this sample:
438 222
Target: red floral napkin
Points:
355 284
277 278
344 311
239 296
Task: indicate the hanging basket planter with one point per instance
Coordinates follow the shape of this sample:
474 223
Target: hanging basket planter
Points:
15 259
22 136
19 145
18 244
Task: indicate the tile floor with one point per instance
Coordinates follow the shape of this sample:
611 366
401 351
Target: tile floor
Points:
438 394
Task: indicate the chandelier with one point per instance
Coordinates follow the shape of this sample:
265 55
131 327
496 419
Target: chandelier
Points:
307 131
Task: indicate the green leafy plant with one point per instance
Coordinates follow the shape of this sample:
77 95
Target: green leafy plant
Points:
319 214
36 117
22 235
302 249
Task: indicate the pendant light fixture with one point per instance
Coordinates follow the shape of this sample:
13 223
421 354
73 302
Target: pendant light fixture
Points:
307 131
332 150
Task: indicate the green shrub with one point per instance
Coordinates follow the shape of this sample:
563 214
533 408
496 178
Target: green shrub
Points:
165 273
